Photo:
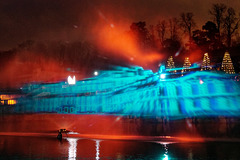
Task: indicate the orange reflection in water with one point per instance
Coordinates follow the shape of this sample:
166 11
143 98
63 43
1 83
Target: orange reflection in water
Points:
77 148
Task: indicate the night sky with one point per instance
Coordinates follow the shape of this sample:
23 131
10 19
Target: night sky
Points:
71 20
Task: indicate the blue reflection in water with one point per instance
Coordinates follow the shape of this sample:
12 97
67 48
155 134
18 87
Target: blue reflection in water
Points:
166 152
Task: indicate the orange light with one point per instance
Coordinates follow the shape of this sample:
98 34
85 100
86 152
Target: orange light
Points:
11 102
5 97
125 46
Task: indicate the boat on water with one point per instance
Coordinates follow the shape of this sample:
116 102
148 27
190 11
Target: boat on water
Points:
127 100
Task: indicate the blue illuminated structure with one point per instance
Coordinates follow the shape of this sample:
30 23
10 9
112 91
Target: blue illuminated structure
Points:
137 92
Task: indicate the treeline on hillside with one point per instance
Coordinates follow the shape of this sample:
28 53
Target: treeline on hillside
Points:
42 62
178 37
75 55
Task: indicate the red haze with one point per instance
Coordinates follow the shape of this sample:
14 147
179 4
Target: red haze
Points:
112 39
28 67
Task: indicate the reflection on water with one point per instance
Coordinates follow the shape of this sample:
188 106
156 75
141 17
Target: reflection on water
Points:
97 149
72 151
165 156
73 148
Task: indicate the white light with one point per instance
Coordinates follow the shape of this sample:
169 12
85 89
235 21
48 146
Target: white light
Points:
71 80
166 152
162 76
95 73
112 25
97 149
165 157
72 150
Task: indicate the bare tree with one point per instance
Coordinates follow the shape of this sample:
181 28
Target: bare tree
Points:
217 11
173 28
231 23
152 35
187 23
141 33
161 30
151 30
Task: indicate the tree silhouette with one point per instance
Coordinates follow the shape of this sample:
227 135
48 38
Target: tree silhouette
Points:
212 35
231 22
211 29
141 33
173 28
187 23
217 11
161 30
152 37
171 46
200 39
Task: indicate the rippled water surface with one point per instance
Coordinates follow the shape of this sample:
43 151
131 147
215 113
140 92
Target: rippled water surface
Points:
17 147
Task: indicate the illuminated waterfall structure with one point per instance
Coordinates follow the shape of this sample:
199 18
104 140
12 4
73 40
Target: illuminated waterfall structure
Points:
137 92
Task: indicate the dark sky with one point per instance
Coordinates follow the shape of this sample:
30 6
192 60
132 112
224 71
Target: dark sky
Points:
69 20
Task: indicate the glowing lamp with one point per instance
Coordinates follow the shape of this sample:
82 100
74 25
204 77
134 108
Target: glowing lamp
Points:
71 80
11 102
95 73
162 76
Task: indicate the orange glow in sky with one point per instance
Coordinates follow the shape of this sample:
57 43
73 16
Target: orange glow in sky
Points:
121 44
29 67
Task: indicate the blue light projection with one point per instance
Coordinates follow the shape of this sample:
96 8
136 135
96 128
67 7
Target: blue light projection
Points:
137 92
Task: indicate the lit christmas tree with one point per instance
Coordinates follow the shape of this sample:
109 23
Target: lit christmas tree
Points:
186 64
227 65
170 63
206 63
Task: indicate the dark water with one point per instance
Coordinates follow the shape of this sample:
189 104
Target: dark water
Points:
17 147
